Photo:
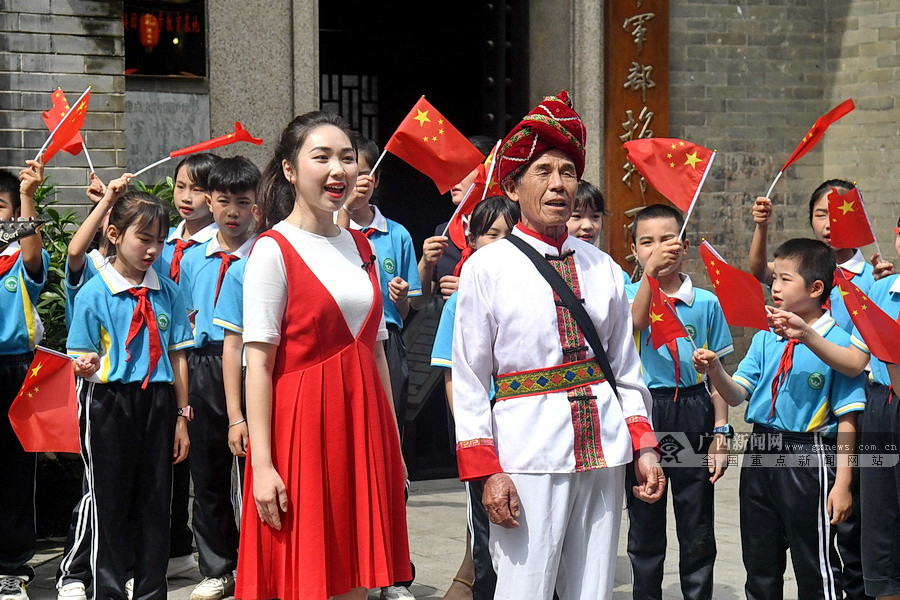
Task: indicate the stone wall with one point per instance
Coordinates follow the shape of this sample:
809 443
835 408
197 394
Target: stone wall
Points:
45 44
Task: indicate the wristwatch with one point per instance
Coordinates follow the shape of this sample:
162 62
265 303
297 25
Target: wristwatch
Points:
727 430
187 412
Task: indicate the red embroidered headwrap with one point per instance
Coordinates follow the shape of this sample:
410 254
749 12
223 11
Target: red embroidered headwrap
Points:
551 124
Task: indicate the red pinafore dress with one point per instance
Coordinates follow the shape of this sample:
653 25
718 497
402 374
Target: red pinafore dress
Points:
335 446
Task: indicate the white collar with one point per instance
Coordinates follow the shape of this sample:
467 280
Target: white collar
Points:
243 250
685 292
118 284
821 325
200 237
540 245
11 249
855 264
895 287
378 221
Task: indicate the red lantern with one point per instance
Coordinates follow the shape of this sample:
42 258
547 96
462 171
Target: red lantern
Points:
149 34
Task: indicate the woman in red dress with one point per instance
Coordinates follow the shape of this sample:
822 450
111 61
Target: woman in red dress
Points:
324 469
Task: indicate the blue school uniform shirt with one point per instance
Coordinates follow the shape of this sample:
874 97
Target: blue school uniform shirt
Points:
397 258
885 293
442 350
229 311
20 326
813 394
199 277
862 278
164 262
702 316
92 263
102 318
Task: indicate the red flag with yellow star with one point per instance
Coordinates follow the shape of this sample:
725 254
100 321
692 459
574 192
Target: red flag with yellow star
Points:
485 186
739 293
63 133
431 145
816 132
52 118
238 135
675 168
665 326
878 330
849 223
44 414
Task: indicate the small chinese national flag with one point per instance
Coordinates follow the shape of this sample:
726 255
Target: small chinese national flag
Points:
665 326
850 225
739 293
68 131
878 330
238 135
485 186
431 145
52 118
816 132
675 168
44 414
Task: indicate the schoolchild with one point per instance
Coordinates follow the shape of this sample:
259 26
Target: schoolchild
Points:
491 220
800 407
232 199
23 270
190 195
439 254
683 403
397 259
128 335
586 221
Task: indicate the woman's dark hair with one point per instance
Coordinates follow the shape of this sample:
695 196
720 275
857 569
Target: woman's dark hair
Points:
841 185
488 211
815 261
198 167
275 195
589 197
140 210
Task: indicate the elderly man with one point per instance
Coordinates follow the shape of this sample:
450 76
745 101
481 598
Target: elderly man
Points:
553 448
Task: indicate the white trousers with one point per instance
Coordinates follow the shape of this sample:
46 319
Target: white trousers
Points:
567 537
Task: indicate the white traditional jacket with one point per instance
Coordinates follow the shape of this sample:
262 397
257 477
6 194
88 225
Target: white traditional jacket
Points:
563 416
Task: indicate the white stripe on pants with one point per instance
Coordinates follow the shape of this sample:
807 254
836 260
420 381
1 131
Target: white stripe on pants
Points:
567 537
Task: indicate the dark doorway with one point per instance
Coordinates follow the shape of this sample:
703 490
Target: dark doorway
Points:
468 57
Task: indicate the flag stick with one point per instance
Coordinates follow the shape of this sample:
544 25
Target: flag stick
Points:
458 207
87 155
869 221
52 133
697 194
377 162
156 164
772 187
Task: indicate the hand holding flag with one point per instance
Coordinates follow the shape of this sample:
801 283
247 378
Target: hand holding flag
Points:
878 330
431 145
739 293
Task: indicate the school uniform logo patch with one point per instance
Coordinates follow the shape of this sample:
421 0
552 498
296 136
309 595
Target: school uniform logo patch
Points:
11 284
162 320
389 265
692 331
816 380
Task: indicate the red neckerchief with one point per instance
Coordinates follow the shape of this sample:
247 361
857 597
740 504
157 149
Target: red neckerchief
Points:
175 265
227 259
143 315
466 253
555 242
368 231
8 262
784 367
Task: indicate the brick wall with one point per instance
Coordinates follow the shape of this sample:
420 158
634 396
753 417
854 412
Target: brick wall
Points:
45 44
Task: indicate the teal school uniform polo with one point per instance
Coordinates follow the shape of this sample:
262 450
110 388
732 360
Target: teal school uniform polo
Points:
702 316
229 311
164 262
103 313
885 293
19 325
92 263
442 350
813 394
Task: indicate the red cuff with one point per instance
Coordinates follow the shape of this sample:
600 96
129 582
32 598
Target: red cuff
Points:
642 434
477 459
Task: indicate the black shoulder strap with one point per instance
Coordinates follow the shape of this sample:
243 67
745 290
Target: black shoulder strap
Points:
571 301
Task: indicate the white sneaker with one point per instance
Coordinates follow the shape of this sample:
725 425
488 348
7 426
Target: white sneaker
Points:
12 587
396 592
71 591
214 588
181 565
129 588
